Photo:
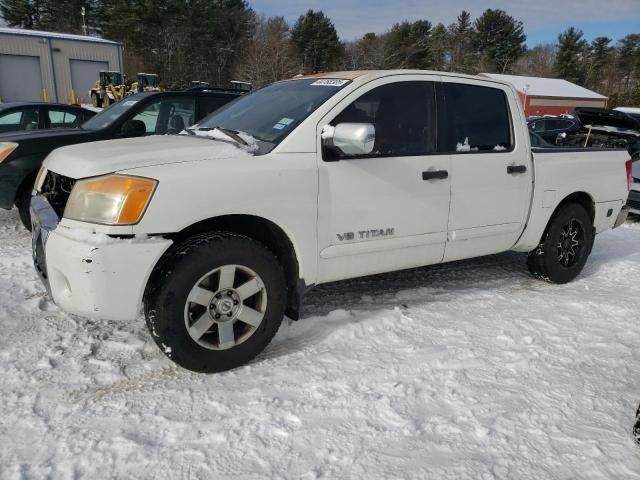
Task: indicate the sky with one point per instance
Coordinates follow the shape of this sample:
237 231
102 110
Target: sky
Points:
543 19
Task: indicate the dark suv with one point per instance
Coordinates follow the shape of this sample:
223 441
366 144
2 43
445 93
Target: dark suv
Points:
22 153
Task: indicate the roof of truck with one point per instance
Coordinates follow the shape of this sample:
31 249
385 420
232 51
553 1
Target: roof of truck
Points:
372 74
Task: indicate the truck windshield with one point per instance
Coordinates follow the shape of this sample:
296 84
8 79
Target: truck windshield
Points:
271 113
109 115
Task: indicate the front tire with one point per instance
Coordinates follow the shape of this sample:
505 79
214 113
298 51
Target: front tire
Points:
215 301
565 246
23 200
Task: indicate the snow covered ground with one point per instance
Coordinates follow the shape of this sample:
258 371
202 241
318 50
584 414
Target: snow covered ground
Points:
471 370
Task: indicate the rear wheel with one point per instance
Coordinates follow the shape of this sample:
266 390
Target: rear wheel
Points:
565 246
215 302
95 100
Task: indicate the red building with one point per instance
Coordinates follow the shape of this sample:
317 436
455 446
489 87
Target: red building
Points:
550 96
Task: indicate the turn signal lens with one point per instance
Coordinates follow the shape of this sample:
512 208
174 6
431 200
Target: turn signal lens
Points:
6 148
110 200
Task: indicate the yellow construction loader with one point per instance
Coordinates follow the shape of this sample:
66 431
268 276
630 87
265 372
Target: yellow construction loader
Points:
145 82
108 89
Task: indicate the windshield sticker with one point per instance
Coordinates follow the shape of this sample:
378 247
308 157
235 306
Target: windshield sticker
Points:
128 103
279 126
330 82
286 121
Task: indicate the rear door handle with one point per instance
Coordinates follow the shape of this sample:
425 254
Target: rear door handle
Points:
435 175
511 169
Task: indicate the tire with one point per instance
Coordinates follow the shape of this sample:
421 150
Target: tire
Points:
95 100
23 200
106 101
190 276
569 230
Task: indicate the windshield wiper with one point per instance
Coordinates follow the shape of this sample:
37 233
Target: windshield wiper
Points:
233 135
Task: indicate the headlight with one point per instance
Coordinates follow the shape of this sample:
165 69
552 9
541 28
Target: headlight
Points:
6 148
110 200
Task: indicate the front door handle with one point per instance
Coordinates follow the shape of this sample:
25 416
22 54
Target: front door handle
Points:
435 175
511 169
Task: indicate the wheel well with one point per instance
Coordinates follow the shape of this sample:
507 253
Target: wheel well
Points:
29 178
265 232
581 198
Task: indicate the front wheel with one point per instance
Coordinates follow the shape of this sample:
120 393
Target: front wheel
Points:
565 246
23 200
215 302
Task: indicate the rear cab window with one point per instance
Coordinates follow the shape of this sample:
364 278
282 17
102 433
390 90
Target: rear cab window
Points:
473 119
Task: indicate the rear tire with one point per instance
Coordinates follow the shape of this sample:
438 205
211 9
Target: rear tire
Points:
95 100
23 200
215 301
565 245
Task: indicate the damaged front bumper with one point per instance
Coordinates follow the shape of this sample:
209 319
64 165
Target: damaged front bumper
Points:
91 274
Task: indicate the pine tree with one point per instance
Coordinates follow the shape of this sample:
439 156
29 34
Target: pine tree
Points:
440 48
599 57
317 42
462 35
570 61
499 40
408 45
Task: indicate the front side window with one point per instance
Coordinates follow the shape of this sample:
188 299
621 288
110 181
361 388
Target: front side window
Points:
19 120
167 116
271 113
403 115
473 119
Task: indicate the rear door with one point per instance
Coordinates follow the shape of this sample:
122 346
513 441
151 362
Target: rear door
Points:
490 166
386 210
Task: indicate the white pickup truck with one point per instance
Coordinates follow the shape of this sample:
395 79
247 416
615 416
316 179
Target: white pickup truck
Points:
216 234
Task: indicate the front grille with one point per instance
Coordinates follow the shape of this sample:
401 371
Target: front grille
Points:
57 188
634 199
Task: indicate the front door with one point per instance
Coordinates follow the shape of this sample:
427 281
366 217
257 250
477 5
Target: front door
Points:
386 210
490 172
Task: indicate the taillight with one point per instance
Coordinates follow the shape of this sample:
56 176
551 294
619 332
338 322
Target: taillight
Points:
629 179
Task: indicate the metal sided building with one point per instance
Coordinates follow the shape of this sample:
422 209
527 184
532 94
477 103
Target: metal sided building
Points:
37 66
550 96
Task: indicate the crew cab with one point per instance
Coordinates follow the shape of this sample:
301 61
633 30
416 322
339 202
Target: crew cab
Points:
217 233
22 153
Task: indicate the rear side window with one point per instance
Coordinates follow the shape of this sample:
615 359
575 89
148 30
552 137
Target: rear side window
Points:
403 115
63 119
473 119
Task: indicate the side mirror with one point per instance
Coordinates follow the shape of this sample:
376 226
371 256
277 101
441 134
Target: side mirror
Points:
349 138
133 128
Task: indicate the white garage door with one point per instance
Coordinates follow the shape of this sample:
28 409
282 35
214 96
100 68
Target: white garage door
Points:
20 78
84 74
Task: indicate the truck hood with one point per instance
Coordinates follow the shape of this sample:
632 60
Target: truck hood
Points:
100 158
